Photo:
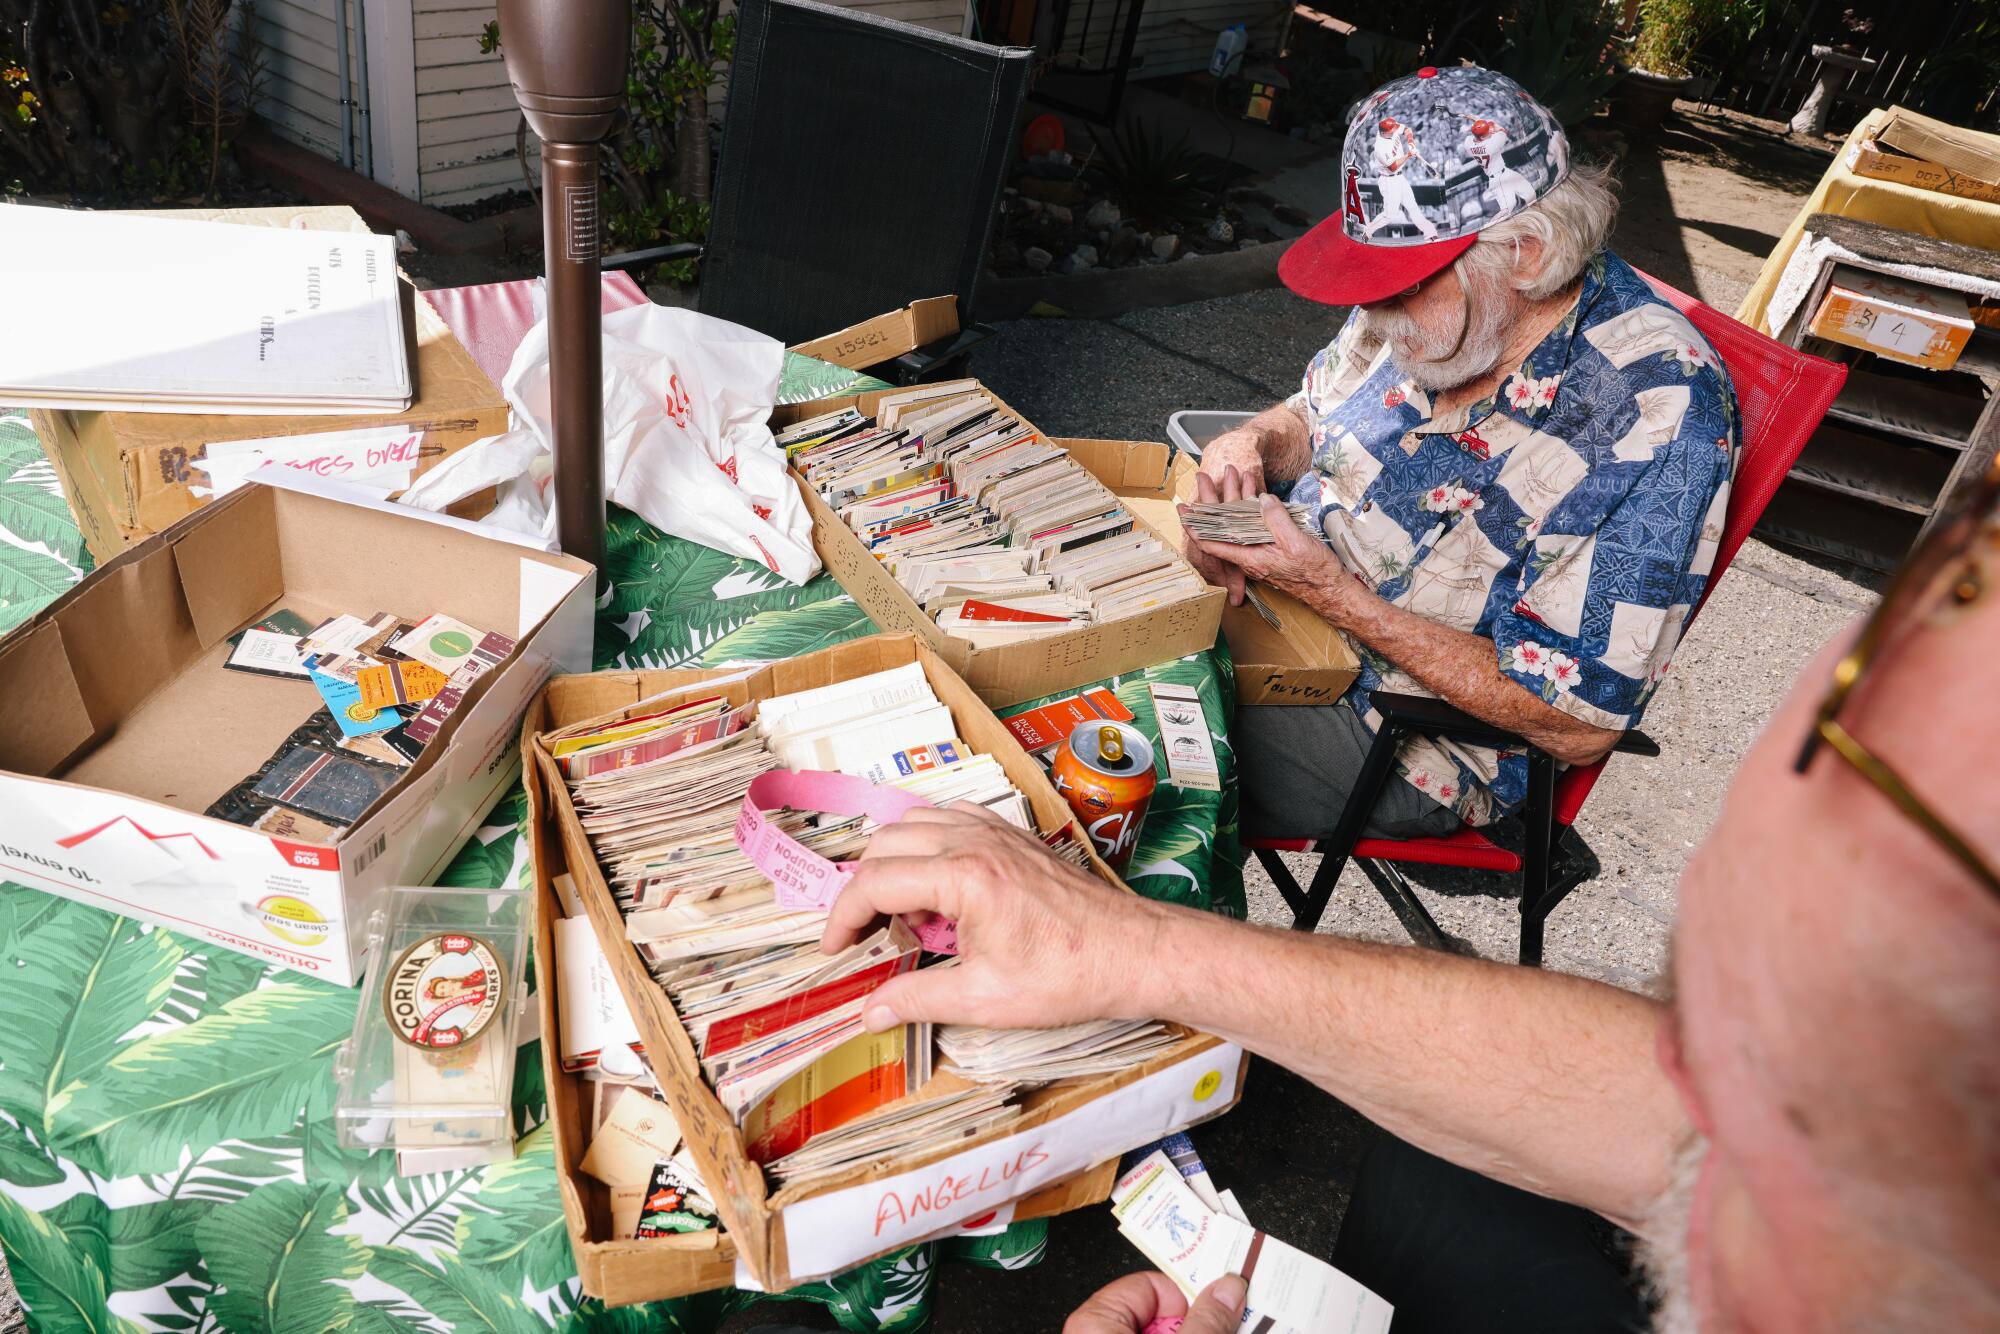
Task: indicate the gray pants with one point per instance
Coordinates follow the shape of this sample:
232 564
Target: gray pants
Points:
1298 765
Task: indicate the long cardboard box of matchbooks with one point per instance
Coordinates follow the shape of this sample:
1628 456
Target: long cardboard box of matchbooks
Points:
243 727
946 514
670 812
582 1014
1288 657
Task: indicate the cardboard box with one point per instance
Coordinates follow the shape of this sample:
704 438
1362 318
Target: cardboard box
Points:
1930 154
1016 672
620 1272
1057 1156
872 342
122 725
1306 661
1904 321
131 474
1869 158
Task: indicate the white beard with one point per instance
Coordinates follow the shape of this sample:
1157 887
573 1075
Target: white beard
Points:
1426 358
1663 1253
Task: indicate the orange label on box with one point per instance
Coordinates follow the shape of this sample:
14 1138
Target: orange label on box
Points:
398 683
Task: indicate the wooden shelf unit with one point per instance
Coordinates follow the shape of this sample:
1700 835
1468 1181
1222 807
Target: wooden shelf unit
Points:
1900 439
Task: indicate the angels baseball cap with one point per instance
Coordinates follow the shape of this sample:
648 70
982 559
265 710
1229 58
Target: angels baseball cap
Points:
1429 162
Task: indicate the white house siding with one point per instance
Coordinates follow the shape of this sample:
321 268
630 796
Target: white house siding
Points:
299 94
465 111
466 114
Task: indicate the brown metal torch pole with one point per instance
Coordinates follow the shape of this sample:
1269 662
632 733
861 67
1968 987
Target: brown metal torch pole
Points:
566 61
576 349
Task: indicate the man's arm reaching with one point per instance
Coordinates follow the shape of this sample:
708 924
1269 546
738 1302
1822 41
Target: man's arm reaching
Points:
1534 1078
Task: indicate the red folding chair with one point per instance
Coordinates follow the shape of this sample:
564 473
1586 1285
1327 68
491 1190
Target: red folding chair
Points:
1782 394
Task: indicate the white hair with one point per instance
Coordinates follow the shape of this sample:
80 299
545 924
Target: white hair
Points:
1570 224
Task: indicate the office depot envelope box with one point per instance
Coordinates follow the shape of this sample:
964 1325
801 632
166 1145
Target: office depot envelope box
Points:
1054 1158
131 474
122 725
1014 672
1305 661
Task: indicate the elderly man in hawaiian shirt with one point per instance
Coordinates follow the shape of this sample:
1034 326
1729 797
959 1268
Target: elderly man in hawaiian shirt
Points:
1518 454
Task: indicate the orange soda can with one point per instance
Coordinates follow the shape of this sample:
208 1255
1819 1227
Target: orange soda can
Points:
1105 771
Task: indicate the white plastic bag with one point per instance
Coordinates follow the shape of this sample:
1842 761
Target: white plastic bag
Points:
687 446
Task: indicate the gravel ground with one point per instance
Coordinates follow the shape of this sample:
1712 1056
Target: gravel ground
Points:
12 1321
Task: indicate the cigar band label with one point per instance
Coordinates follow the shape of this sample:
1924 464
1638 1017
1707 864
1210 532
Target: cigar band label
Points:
443 991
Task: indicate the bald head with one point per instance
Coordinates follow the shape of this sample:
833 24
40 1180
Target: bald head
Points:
1838 1009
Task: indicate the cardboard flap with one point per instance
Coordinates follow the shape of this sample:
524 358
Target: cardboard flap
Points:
1966 152
289 479
127 629
230 568
1122 464
872 342
45 721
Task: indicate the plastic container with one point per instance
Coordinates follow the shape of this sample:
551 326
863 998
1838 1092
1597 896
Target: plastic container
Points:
1190 431
1229 44
430 1066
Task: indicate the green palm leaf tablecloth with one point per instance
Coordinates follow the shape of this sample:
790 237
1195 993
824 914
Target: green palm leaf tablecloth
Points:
166 1161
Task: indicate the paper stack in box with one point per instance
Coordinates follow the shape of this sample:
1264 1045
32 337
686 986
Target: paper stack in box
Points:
992 529
777 1024
387 685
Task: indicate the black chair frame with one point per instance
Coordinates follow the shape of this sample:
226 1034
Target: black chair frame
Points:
1553 863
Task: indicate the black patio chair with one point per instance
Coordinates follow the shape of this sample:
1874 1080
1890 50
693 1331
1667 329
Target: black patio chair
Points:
860 170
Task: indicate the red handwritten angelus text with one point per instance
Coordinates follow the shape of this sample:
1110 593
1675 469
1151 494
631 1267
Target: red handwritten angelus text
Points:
948 1192
342 462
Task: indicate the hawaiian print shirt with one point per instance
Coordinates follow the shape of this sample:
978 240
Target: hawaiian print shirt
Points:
1572 520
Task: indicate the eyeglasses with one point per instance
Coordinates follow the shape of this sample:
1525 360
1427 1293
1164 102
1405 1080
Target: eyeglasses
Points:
1947 570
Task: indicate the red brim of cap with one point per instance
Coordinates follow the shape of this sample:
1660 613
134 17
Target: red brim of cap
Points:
1328 265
